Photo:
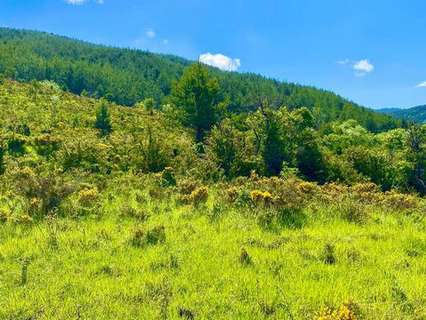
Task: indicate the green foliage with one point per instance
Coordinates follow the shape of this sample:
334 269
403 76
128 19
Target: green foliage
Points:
127 77
198 94
148 104
103 120
417 156
232 150
275 149
2 162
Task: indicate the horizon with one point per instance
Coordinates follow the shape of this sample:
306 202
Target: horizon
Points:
353 50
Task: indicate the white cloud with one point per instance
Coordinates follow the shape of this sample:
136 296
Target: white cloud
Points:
150 33
80 2
165 42
362 67
421 85
220 61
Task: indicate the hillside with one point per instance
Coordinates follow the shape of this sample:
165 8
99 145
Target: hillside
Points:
139 224
127 76
414 114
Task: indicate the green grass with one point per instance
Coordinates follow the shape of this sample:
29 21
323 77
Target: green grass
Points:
89 268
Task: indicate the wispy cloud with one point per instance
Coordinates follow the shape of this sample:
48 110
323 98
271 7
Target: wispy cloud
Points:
421 85
343 62
150 33
360 67
220 61
75 2
80 2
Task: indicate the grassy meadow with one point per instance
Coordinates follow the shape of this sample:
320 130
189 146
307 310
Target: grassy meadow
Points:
143 257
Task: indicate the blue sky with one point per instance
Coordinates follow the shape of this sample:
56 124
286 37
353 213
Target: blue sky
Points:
372 52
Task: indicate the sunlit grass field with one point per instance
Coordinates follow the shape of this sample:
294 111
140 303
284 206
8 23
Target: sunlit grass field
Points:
143 257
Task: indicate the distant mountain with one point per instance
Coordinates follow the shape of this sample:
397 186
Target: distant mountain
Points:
415 114
127 76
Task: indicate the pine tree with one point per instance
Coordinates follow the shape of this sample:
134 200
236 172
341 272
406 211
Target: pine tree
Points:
103 120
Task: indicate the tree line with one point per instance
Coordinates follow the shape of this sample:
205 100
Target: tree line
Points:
127 77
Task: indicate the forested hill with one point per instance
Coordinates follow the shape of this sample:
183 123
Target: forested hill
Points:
127 76
414 114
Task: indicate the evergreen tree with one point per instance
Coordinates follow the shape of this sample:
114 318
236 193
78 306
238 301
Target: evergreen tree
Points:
273 151
198 94
103 120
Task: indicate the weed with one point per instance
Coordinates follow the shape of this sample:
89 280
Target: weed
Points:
245 258
24 271
153 236
328 255
185 313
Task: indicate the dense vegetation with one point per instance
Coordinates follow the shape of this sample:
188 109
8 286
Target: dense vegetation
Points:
115 212
127 77
414 114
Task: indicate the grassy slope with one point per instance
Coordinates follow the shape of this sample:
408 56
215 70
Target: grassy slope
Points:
88 268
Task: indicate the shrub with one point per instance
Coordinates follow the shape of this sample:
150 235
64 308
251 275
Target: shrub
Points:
347 311
128 210
88 196
85 153
187 186
231 194
87 202
353 211
399 201
154 151
4 215
46 144
327 255
266 217
167 177
24 219
153 236
197 197
261 198
16 143
44 192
